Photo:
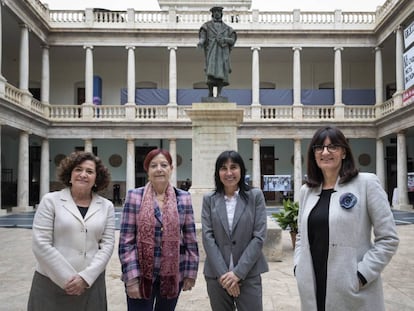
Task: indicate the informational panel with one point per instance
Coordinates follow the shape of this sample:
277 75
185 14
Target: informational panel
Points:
277 183
410 177
409 35
409 68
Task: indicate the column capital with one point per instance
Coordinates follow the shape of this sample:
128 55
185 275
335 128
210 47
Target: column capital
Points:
45 46
255 48
173 48
297 48
398 28
378 48
256 139
88 47
130 47
338 48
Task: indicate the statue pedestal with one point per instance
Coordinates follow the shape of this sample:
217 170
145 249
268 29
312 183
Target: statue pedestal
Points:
214 131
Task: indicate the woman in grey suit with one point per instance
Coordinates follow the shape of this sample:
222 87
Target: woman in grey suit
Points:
337 263
234 230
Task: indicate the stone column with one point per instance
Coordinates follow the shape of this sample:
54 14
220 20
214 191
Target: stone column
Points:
380 166
338 76
255 76
2 79
173 75
214 130
24 58
88 75
23 175
131 75
45 84
130 165
2 211
297 169
399 68
173 152
44 168
297 88
256 175
88 143
402 187
379 88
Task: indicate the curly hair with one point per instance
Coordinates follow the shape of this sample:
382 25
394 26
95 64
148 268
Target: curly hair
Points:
67 165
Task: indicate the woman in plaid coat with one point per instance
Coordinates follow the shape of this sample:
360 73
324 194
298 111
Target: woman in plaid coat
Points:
158 247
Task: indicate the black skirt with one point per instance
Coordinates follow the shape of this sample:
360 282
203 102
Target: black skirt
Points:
45 295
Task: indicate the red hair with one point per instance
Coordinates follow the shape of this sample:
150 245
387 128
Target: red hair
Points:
153 153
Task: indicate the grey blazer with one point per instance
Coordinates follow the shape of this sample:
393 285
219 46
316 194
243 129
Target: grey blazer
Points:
362 238
246 240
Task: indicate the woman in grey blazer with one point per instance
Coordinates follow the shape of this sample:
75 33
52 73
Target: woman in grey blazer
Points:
337 263
234 230
73 239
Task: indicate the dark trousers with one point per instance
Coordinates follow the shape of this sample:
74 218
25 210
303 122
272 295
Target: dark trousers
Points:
155 303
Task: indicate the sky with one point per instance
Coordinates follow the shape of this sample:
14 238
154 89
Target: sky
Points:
262 5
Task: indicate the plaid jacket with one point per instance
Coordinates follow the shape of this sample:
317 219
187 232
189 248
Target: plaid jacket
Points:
127 251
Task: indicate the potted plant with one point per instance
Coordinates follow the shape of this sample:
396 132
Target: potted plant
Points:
287 218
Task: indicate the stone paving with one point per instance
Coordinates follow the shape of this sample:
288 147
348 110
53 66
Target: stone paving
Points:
279 286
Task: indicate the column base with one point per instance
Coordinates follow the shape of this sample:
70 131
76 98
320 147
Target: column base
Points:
20 209
403 207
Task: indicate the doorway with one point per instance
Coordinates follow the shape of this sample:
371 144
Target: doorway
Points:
140 174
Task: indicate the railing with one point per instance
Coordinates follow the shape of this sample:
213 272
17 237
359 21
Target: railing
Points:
240 20
160 113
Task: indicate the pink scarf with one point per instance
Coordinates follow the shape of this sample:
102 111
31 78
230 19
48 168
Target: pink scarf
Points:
170 251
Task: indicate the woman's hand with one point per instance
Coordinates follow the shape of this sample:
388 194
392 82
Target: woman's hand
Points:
76 286
132 289
188 284
230 282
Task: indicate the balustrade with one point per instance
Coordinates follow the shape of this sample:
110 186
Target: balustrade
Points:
73 113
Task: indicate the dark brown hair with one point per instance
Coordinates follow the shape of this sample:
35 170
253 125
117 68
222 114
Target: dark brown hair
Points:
67 165
153 153
348 170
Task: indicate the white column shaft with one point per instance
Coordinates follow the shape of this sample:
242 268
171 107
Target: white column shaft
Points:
173 76
255 76
45 87
89 75
130 165
402 169
44 168
173 152
256 176
24 58
399 67
338 76
297 169
23 171
379 89
131 74
296 76
380 166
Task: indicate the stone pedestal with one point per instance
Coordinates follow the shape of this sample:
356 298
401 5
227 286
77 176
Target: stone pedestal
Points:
214 130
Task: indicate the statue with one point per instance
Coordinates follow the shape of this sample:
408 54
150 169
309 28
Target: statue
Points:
217 39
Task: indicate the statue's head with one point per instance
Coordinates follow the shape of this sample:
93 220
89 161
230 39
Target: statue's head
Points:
216 8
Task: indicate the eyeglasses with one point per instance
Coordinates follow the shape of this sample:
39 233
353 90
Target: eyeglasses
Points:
320 148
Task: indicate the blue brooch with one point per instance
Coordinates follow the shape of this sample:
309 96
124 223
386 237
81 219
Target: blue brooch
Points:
348 200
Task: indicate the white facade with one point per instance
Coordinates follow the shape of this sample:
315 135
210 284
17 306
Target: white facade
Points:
292 72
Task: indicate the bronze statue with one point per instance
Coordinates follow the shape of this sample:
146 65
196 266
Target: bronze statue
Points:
217 39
